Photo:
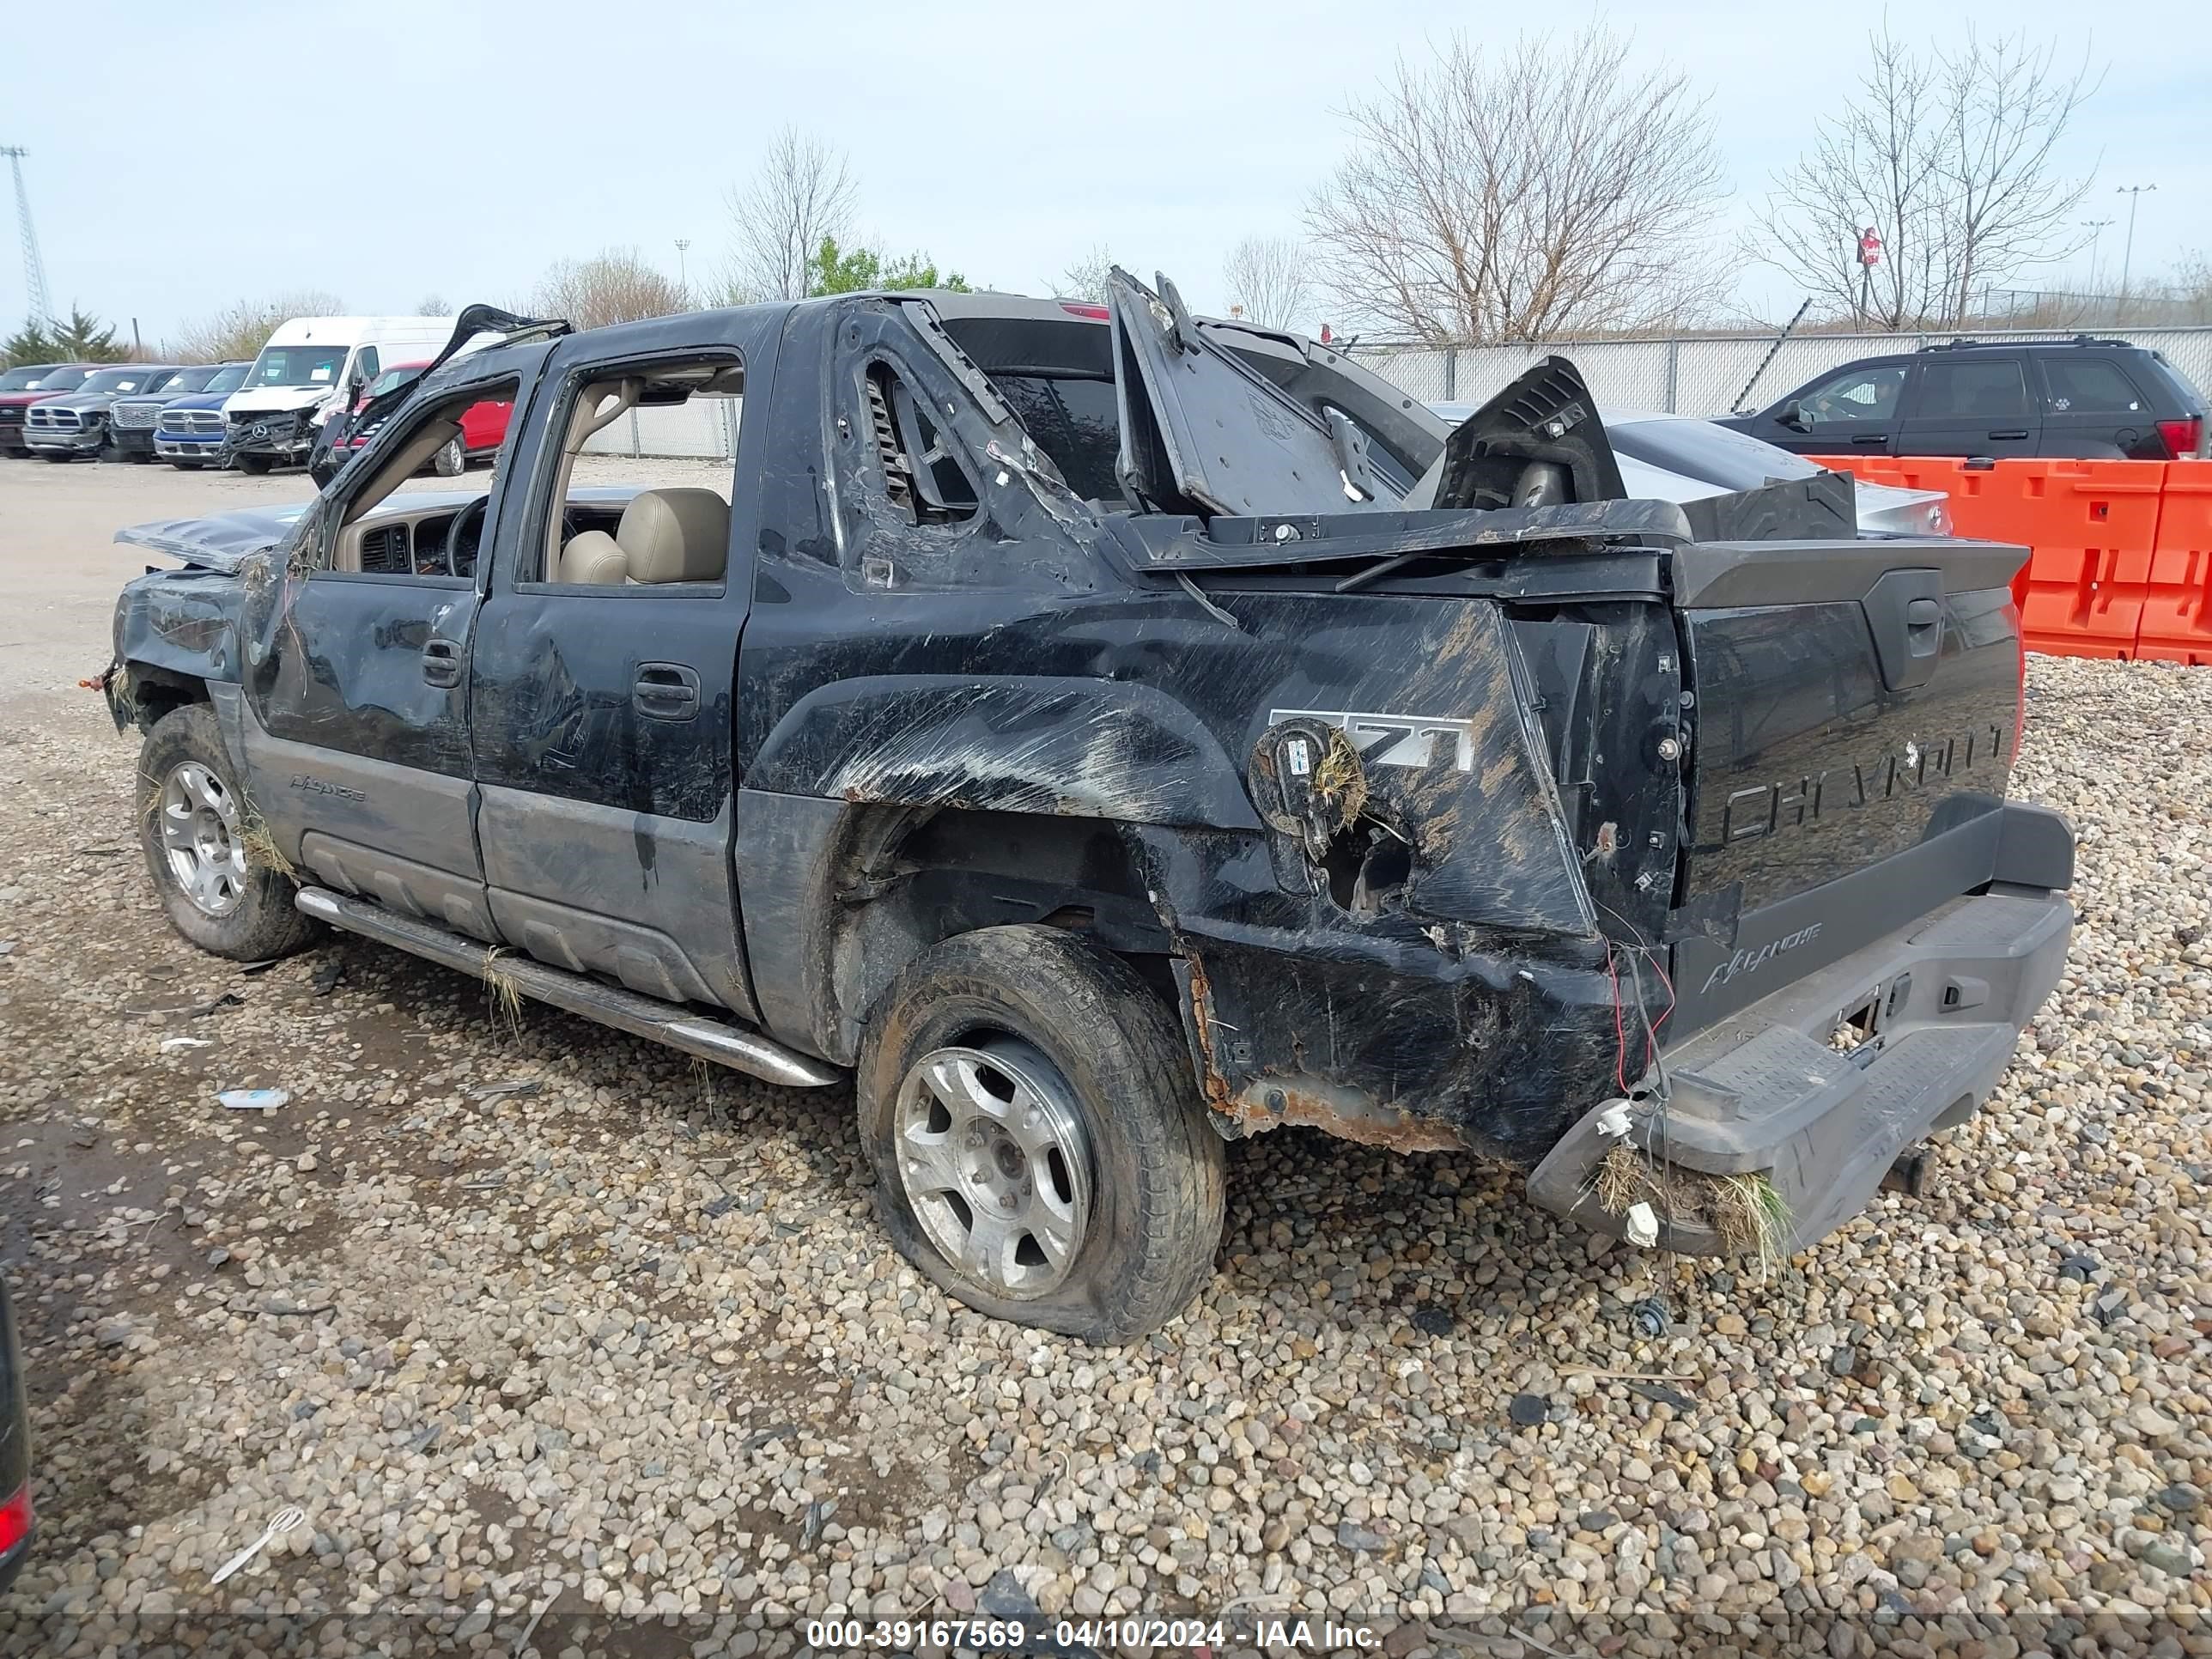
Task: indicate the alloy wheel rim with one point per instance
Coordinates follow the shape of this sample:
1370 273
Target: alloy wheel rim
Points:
995 1163
202 839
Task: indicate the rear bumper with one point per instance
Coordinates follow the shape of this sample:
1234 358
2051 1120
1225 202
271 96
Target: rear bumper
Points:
1943 1001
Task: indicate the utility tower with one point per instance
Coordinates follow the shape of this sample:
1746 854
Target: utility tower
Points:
34 269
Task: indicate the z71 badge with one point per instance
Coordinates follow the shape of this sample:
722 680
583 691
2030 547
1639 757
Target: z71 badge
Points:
1418 741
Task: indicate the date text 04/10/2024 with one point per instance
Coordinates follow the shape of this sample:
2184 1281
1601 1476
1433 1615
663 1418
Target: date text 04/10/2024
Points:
988 1636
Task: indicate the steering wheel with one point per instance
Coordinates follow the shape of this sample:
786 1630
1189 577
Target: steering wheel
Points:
472 514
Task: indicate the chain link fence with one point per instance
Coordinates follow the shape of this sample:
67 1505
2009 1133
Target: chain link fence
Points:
1704 377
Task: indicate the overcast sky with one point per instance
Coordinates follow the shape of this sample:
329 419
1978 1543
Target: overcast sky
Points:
183 157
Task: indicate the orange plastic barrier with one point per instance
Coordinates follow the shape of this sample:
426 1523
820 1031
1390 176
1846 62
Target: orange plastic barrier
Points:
2177 620
2090 528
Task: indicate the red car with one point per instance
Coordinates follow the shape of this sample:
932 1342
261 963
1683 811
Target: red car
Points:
21 387
484 426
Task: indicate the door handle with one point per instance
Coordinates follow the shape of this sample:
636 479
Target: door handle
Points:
666 691
1870 438
2022 432
441 663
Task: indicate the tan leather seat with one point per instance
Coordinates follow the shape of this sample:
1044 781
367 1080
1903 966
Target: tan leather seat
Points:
675 536
593 557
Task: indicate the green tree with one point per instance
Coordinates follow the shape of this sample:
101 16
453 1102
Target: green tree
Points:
30 344
86 339
835 270
80 339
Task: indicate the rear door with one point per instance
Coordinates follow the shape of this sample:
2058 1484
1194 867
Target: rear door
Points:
1971 403
602 711
2092 406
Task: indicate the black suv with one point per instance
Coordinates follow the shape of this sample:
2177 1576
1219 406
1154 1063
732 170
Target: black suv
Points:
2093 399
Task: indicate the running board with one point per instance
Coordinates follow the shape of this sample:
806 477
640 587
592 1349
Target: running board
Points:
738 1047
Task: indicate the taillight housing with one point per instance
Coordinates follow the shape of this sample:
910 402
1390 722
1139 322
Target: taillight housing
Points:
2182 437
1085 308
15 1520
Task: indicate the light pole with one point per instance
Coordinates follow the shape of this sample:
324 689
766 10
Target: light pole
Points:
2133 192
2096 229
682 274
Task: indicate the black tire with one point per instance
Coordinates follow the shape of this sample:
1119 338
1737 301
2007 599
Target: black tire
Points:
255 464
262 923
1157 1177
451 461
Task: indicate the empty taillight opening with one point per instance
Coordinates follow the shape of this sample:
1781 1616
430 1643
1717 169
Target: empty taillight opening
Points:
2181 435
1084 309
15 1520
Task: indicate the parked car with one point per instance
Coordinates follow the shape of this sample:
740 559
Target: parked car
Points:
189 432
74 425
21 387
130 420
1676 458
312 367
17 1520
1102 740
2083 397
483 429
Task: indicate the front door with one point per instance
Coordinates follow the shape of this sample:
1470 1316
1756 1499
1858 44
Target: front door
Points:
356 693
1852 412
1970 403
602 686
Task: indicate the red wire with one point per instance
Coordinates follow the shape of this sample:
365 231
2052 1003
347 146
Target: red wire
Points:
1620 1033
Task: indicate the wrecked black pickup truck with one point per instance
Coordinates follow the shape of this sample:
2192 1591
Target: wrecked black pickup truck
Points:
1104 732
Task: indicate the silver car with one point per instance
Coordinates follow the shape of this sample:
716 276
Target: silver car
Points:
1677 457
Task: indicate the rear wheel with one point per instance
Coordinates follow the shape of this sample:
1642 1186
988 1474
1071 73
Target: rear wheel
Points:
194 823
1040 1149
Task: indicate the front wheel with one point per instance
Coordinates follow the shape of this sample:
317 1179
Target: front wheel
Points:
1040 1148
210 867
449 461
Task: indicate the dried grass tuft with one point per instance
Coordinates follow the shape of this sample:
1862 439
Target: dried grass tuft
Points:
502 993
1744 1212
262 852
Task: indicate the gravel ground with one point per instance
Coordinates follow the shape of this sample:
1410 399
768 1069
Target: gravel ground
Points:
520 1313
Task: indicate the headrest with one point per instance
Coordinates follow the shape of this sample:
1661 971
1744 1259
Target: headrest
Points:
676 536
593 556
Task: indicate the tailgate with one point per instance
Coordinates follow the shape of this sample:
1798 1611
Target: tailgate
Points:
1854 707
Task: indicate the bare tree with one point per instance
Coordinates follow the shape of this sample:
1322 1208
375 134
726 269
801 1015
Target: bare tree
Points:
433 305
1951 159
614 286
1085 279
1269 280
1518 194
801 192
242 329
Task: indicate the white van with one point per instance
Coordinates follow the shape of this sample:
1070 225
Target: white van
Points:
312 367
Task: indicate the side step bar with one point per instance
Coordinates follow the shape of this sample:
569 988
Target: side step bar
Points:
736 1046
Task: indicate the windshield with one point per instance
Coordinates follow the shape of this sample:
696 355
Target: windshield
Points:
62 380
193 379
391 380
20 380
297 365
228 378
1698 449
121 380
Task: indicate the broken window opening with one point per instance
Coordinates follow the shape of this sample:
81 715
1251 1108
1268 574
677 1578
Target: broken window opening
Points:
923 478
